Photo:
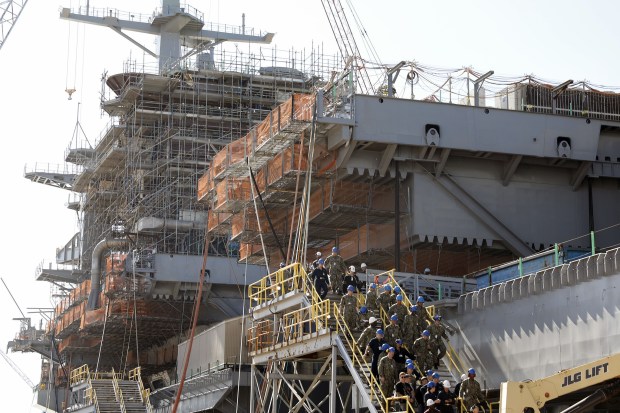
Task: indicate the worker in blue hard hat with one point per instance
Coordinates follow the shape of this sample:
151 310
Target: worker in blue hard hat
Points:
384 300
438 334
371 299
410 327
424 317
374 348
348 308
387 372
320 278
470 391
400 309
395 291
393 331
336 268
422 350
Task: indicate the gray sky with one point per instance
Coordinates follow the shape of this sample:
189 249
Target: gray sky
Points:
553 39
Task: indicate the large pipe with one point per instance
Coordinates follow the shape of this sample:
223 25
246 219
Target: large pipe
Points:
95 267
159 224
599 396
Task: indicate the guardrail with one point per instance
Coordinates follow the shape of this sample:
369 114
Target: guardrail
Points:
135 375
118 392
359 360
293 277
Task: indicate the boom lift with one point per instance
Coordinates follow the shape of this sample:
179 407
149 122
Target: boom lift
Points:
531 396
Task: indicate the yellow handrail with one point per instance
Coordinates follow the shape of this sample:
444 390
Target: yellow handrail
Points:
79 375
118 392
408 406
277 284
359 361
135 375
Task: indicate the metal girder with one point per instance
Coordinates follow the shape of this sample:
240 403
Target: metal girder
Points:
386 158
354 373
445 154
510 168
344 153
135 42
10 12
513 242
579 175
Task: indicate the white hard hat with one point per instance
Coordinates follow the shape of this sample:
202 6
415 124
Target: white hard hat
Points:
430 402
427 270
318 253
446 383
463 376
363 265
372 320
352 268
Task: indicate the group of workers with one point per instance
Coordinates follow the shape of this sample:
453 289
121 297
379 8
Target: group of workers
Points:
412 334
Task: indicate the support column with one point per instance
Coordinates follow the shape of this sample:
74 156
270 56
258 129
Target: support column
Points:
396 218
252 386
333 395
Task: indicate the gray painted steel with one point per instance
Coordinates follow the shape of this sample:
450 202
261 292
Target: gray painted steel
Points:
534 326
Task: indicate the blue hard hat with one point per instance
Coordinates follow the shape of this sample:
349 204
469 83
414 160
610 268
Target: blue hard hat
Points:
373 286
385 346
471 371
397 289
363 310
398 297
430 384
408 361
350 288
387 287
413 308
426 333
410 366
420 299
399 341
437 317
394 317
321 261
436 375
282 265
429 372
380 331
335 249
392 350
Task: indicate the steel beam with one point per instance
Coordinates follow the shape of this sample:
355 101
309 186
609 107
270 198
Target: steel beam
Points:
445 154
386 158
510 168
513 242
580 174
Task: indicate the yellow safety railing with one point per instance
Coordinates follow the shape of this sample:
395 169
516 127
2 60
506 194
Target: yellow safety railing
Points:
456 363
359 360
293 326
135 375
394 399
118 392
293 277
79 375
91 398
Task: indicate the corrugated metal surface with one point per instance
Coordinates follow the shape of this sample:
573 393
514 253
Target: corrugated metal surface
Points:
216 346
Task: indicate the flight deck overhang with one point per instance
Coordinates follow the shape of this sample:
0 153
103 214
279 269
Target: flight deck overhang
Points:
476 129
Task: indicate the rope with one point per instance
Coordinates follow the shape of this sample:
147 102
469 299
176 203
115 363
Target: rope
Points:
262 242
105 322
245 297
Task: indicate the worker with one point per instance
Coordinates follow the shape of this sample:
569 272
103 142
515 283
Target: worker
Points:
363 316
395 292
431 406
431 394
384 299
387 372
422 350
404 388
410 369
374 347
320 279
367 334
348 308
393 331
351 279
315 263
401 355
470 391
400 309
336 269
410 327
421 390
457 387
424 318
371 299
438 333
446 398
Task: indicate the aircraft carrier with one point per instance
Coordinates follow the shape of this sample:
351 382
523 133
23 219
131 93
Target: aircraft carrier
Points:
498 205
